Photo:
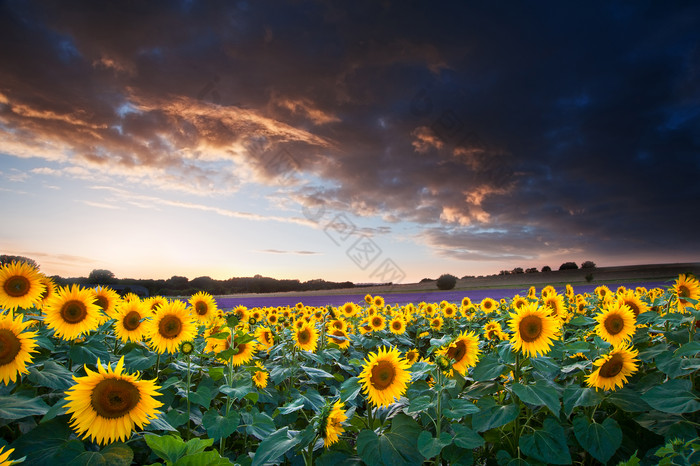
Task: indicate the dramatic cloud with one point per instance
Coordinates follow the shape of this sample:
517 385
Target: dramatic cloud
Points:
502 132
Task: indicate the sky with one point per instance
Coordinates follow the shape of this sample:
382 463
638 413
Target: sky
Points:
365 141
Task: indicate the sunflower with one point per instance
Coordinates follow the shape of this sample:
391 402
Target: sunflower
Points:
686 286
533 329
306 337
449 311
203 307
488 305
170 325
548 291
16 344
613 368
264 336
107 299
154 302
216 345
466 301
518 302
384 376
397 325
339 337
602 292
492 330
378 301
333 425
412 356
631 299
464 351
348 310
556 305
72 312
129 322
106 405
260 377
377 322
244 350
436 323
616 323
368 298
5 456
20 286
48 293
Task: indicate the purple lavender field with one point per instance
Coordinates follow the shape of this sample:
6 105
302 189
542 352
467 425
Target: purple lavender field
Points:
404 298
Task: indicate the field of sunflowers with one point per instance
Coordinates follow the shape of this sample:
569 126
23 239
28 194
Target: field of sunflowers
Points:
547 377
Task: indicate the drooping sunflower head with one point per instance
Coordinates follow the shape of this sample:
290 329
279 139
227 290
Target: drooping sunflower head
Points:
129 320
20 286
385 376
463 351
16 346
616 323
613 369
107 405
306 337
107 299
170 325
333 427
534 329
72 312
203 307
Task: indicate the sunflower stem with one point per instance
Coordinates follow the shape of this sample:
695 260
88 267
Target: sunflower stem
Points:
516 377
370 420
189 381
157 366
438 410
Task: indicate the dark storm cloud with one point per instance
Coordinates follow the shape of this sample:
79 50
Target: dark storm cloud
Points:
506 131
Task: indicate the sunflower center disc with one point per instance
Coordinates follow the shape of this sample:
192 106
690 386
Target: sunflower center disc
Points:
304 336
382 375
611 368
683 292
17 286
201 308
457 351
74 312
530 328
396 325
132 320
377 322
113 398
614 324
9 346
102 302
169 327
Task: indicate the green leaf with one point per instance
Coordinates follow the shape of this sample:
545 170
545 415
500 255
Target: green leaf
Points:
539 394
676 366
88 353
316 375
210 458
52 375
239 390
219 426
350 389
204 394
628 400
139 359
459 407
160 423
41 444
575 396
168 447
600 440
673 396
259 425
547 444
420 404
274 446
396 447
196 445
466 438
494 416
117 454
489 367
546 366
689 349
456 456
17 407
430 446
292 406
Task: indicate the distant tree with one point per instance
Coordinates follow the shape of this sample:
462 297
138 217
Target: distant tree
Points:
5 259
518 270
446 282
504 272
546 268
101 277
176 282
568 266
588 265
531 270
426 280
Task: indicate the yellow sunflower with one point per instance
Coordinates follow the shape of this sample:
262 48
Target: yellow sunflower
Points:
333 425
533 329
412 356
368 298
129 321
5 456
306 337
397 325
378 301
106 405
72 312
518 302
466 301
260 376
348 310
449 311
242 313
216 345
154 302
631 299
613 368
265 337
170 325
244 350
555 302
16 344
203 307
492 329
48 293
616 323
464 351
686 286
107 299
385 376
488 305
377 322
20 286
339 337
436 323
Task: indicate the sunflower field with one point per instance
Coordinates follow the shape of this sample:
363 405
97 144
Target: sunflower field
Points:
547 377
